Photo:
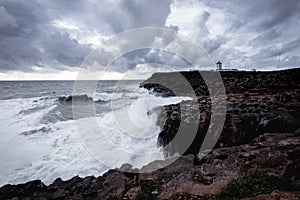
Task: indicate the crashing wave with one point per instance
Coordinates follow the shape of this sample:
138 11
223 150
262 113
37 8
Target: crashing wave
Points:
102 97
71 98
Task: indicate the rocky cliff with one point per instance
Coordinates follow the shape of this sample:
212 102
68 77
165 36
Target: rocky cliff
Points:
256 156
256 103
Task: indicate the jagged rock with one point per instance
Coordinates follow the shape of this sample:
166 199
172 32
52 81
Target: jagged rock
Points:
59 194
272 154
277 194
251 144
27 190
297 132
257 102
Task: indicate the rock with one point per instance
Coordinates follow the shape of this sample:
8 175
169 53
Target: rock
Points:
275 155
26 190
113 186
258 146
223 153
126 167
276 194
297 132
59 194
272 106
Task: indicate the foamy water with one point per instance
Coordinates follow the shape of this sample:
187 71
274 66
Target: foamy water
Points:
39 138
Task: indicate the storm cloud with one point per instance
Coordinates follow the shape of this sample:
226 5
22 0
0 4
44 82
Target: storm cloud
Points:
59 34
51 34
257 32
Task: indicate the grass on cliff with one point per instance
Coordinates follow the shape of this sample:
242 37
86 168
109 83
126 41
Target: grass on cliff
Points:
252 185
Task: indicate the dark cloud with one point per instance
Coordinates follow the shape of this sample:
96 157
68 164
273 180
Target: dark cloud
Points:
151 13
258 15
257 32
275 12
55 33
130 60
29 37
272 51
6 19
62 49
31 41
113 16
265 38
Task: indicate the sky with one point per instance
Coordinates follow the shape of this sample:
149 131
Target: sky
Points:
50 39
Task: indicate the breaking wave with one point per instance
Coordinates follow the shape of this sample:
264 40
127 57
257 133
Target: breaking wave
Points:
40 139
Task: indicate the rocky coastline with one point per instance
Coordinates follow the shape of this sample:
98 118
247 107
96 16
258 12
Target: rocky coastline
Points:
257 155
256 103
266 168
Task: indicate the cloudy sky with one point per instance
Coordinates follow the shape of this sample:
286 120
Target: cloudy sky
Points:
49 39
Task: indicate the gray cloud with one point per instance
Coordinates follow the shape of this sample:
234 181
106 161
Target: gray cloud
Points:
29 40
265 37
257 32
6 19
130 60
273 51
248 34
29 37
213 45
275 12
111 17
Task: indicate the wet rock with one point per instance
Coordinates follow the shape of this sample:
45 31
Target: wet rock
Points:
259 143
277 194
271 106
27 190
59 194
275 155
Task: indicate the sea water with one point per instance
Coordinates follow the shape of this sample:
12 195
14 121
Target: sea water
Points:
39 138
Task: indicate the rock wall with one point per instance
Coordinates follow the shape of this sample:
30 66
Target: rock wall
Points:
257 102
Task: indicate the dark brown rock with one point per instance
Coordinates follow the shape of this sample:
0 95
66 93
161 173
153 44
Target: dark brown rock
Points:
273 154
260 136
257 102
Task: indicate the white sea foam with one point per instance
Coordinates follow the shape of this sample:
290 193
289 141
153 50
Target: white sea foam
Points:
49 150
106 96
18 152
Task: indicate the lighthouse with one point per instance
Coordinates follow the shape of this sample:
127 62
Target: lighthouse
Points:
219 66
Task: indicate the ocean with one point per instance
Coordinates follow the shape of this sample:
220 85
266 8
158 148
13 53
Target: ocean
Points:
39 138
